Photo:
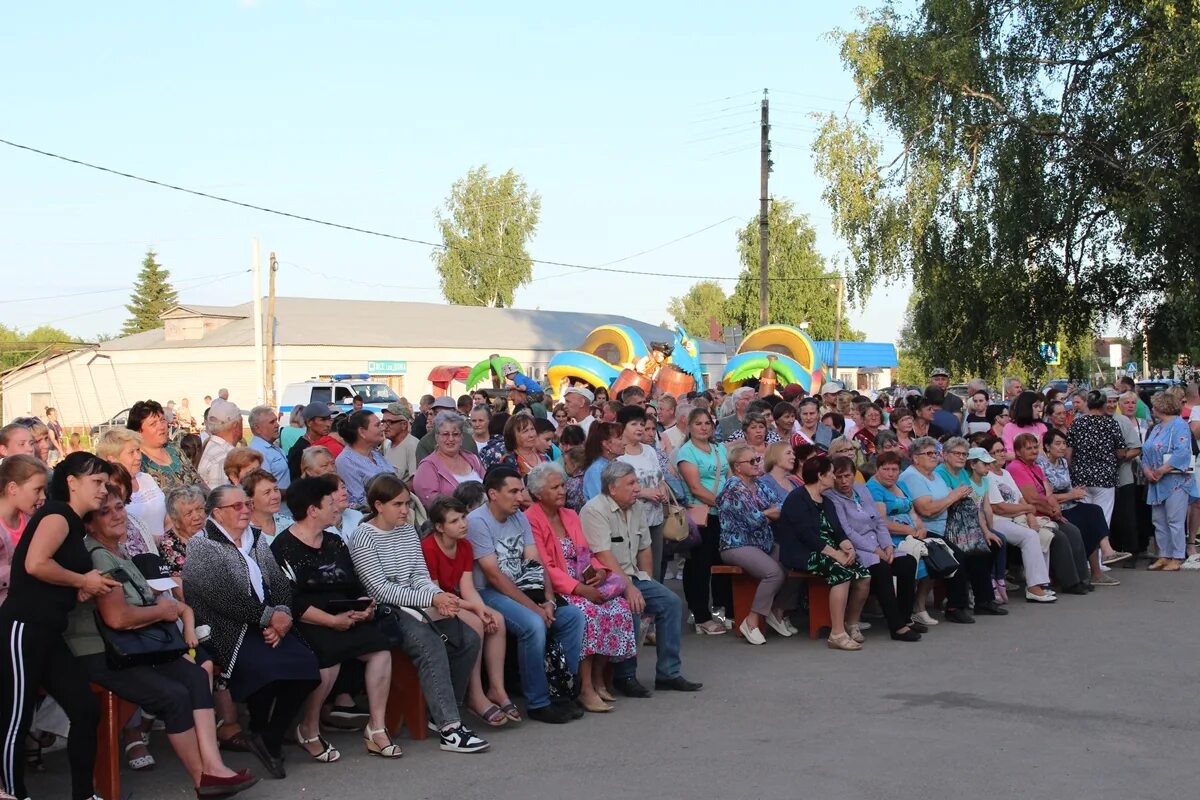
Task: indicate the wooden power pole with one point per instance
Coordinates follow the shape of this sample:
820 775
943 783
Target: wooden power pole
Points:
270 330
764 171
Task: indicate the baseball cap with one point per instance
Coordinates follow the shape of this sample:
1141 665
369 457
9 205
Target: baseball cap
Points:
399 410
223 412
939 372
1110 394
979 454
315 410
832 387
155 571
510 369
445 402
582 391
792 391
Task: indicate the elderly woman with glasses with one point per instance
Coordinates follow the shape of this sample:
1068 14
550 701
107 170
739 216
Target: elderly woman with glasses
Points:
932 499
237 588
893 575
747 505
448 465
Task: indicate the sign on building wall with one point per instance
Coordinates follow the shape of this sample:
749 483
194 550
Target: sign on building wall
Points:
387 367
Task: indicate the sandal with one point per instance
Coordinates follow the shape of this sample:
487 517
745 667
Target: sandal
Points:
1172 565
390 750
328 755
855 633
139 763
492 716
511 712
842 642
605 694
1157 565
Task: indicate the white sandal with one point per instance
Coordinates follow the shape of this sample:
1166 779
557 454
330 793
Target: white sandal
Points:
390 750
141 762
327 755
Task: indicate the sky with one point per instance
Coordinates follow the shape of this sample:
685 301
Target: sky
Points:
636 123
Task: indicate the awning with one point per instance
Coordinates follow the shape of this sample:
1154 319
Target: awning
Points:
445 374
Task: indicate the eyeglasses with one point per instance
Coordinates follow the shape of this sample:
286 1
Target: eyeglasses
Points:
240 505
450 434
956 452
924 453
755 460
395 421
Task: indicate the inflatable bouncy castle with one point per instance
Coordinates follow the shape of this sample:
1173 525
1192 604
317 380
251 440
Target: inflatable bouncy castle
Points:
777 355
617 357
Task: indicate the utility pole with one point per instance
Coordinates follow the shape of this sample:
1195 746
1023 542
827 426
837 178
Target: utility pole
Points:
270 331
256 273
837 327
764 171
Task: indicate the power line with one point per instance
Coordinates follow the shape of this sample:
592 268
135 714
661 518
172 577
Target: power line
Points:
114 289
368 231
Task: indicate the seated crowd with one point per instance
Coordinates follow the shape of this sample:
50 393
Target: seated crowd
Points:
245 595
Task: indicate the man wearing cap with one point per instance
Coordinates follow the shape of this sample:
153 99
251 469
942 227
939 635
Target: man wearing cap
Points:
829 393
224 426
578 400
952 402
318 420
428 442
399 445
264 425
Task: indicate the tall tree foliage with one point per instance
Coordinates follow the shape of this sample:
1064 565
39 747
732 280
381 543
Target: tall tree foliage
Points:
16 347
152 295
1048 171
703 301
486 224
801 289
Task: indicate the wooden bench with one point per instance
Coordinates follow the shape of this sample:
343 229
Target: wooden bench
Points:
406 702
745 585
115 714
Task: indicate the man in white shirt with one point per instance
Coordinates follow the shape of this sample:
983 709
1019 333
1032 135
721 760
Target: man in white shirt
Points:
578 400
224 426
400 446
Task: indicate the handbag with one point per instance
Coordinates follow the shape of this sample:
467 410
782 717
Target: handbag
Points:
963 529
698 513
939 560
160 643
675 519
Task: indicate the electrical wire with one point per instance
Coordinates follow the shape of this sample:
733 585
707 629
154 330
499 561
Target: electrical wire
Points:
114 289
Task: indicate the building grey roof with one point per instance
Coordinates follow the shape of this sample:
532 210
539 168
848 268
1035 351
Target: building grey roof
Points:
375 323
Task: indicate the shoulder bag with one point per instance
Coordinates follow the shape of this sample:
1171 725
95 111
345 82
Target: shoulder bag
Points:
698 512
675 519
939 559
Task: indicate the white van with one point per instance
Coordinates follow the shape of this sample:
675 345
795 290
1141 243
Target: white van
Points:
338 391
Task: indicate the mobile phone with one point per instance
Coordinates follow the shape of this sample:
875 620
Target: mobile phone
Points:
118 574
589 573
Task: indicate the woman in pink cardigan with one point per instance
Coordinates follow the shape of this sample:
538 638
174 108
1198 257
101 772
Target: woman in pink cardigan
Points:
447 466
573 573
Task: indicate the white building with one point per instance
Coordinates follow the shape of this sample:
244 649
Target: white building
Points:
416 348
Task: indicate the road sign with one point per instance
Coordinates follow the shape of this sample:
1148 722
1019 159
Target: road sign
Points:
387 367
1050 352
1131 368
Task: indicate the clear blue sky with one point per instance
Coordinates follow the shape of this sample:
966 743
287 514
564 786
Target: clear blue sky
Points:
365 113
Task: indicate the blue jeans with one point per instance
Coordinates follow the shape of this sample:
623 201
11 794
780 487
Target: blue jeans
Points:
530 630
664 606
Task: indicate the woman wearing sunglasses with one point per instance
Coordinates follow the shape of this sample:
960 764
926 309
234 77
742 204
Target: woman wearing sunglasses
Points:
747 505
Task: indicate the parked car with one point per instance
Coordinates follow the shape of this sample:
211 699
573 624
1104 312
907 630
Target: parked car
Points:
339 392
1153 387
117 420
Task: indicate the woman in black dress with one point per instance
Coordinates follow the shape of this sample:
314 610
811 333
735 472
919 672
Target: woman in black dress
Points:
51 571
322 575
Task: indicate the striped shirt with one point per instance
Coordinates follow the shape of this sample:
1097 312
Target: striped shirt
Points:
391 566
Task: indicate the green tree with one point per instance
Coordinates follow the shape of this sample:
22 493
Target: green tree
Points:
486 224
16 347
704 300
1047 171
801 290
152 295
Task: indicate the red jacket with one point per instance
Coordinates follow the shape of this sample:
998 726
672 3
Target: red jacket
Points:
550 550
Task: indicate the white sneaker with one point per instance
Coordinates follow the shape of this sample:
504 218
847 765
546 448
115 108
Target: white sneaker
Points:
778 625
1191 562
752 635
1103 567
924 618
862 626
462 740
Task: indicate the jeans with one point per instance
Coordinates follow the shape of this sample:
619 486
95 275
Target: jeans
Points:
530 630
443 668
664 606
1170 525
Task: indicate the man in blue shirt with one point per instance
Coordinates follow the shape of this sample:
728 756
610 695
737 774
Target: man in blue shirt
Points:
264 424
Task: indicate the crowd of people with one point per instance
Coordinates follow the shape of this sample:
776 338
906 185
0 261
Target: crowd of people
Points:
246 589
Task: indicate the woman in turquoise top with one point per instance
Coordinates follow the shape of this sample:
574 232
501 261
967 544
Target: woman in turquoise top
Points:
1170 484
702 463
897 509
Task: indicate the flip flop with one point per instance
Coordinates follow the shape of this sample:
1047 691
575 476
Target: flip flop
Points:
511 712
492 716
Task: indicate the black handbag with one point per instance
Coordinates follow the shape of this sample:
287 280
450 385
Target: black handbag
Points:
939 561
160 643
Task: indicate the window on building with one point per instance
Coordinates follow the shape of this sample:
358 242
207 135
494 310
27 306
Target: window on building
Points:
38 402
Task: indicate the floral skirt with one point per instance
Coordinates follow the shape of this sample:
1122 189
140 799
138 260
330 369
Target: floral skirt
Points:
833 572
608 630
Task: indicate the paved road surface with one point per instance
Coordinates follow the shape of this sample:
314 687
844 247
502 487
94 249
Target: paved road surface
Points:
1092 697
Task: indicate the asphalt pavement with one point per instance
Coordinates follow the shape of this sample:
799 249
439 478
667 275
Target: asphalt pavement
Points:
1090 697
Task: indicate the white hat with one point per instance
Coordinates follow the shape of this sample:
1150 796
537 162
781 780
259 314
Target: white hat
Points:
223 412
582 391
832 387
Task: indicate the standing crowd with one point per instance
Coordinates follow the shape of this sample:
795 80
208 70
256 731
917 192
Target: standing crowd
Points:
250 588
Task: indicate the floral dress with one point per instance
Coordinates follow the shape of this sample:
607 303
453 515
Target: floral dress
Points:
576 497
832 571
492 453
523 467
179 472
174 551
609 628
